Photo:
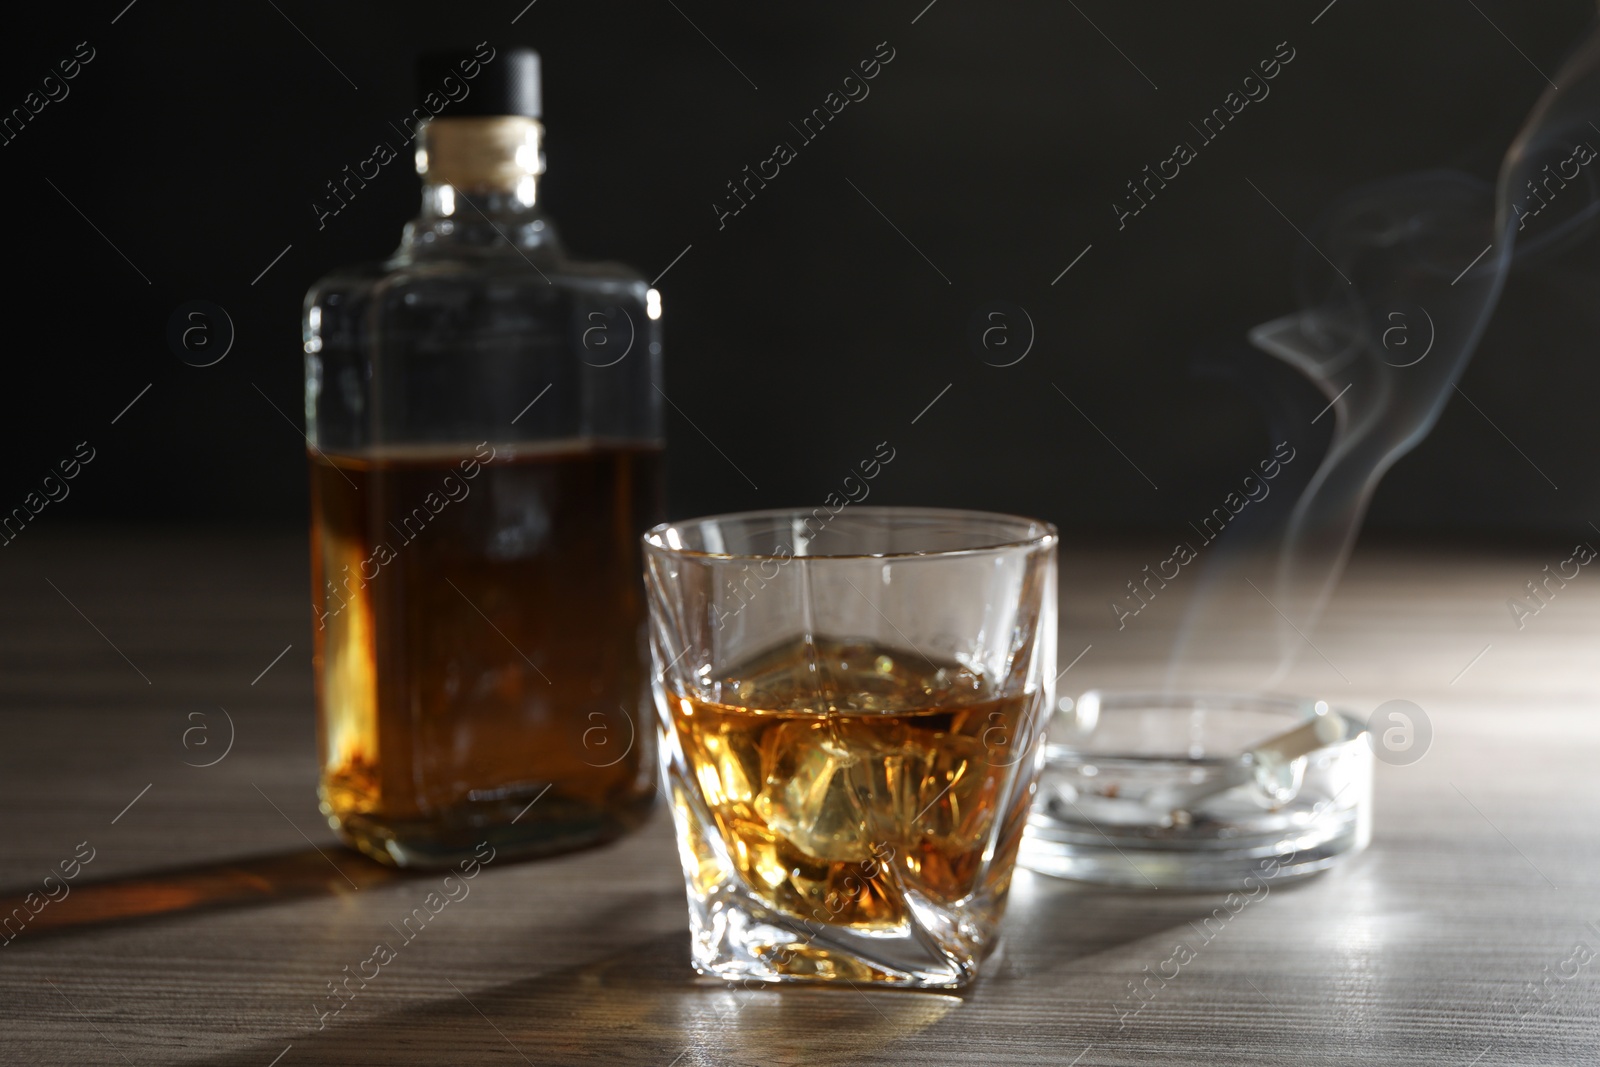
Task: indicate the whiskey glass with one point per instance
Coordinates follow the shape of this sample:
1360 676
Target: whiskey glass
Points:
852 705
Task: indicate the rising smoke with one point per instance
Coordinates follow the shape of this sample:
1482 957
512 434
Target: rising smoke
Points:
1405 277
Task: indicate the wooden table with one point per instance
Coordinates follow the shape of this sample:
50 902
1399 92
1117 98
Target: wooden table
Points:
217 909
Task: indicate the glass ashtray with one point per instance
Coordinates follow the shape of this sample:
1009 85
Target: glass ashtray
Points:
1194 790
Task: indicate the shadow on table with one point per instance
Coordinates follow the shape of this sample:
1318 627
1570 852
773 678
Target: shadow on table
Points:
1098 954
643 1005
1052 924
235 883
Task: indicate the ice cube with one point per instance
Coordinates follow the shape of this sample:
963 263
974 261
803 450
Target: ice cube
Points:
937 788
811 793
843 788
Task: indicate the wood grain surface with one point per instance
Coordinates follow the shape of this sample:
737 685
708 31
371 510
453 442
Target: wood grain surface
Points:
217 907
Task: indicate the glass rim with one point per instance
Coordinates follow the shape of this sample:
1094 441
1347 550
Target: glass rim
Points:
1047 537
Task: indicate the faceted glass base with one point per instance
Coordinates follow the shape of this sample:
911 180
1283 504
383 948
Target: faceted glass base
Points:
738 936
742 940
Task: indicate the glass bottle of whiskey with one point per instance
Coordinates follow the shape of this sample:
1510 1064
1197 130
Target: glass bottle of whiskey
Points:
484 436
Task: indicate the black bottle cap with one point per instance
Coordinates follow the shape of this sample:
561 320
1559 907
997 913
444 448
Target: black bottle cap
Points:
480 81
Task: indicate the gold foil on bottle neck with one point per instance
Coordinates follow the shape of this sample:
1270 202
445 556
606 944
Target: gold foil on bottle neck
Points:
497 152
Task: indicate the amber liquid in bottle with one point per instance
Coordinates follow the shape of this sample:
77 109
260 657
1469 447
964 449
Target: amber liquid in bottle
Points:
478 618
847 777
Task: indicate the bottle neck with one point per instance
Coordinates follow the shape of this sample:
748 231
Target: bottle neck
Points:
480 183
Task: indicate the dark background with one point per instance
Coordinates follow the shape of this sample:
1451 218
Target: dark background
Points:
807 330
